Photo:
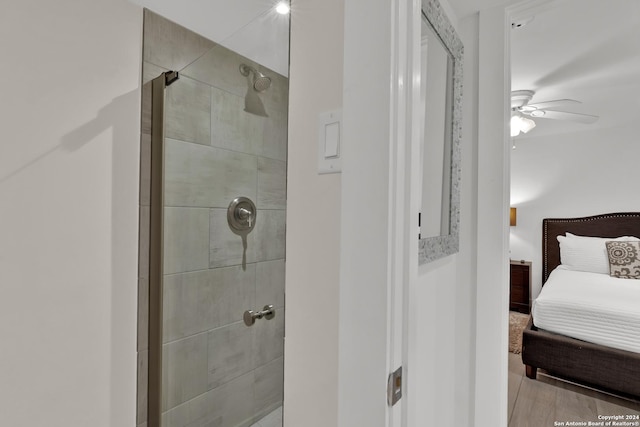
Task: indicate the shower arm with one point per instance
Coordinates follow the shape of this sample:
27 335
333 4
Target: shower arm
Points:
246 69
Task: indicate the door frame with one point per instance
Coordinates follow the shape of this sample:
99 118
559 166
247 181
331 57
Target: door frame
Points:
494 164
378 243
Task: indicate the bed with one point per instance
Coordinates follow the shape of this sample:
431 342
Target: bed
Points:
607 366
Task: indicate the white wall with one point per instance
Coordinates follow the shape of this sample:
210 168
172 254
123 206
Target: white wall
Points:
445 292
70 116
491 327
68 191
443 377
569 175
445 289
313 219
466 291
462 300
365 217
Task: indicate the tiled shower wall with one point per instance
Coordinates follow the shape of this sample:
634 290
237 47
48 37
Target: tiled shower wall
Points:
216 370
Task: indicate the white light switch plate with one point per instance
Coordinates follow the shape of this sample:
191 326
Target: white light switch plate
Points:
330 142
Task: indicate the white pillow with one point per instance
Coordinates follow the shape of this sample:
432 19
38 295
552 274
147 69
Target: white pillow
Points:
621 238
584 253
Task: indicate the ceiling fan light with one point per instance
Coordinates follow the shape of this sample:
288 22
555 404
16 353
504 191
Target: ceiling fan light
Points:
527 125
521 124
515 126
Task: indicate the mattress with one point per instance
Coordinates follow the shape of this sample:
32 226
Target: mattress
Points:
591 307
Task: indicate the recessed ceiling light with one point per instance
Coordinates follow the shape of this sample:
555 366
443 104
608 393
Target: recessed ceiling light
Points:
283 8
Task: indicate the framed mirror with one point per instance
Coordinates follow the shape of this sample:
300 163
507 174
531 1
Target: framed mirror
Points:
441 53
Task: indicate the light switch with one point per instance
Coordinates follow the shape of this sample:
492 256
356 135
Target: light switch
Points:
329 142
332 140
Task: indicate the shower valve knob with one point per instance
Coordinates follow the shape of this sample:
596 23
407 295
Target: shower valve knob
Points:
241 215
245 215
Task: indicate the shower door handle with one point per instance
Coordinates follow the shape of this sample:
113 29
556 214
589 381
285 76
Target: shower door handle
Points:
250 316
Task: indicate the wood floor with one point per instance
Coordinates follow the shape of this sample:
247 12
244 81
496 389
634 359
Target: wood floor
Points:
545 401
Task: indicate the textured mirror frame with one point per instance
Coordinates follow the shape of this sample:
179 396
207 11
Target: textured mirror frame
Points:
433 248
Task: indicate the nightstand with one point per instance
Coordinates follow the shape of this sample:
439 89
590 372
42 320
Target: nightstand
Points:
520 285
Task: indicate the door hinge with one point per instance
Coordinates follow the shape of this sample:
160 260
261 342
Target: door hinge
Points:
394 387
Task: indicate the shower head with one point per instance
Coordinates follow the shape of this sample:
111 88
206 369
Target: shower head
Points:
260 81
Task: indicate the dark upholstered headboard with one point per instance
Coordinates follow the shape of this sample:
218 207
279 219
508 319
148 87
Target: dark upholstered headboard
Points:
605 225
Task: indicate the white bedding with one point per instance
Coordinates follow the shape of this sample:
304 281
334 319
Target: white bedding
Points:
591 307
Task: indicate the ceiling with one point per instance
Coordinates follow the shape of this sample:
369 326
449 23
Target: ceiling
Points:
586 50
251 28
464 8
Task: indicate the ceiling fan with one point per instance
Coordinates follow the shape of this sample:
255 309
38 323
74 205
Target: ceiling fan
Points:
521 109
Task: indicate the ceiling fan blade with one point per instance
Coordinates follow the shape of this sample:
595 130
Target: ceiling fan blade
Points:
564 115
556 103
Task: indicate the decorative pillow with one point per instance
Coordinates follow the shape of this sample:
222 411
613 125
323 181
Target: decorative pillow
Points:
624 259
584 253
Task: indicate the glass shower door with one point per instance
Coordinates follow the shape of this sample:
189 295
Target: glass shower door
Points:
216 347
